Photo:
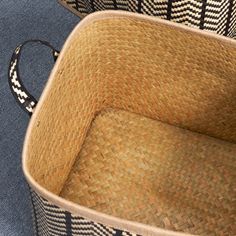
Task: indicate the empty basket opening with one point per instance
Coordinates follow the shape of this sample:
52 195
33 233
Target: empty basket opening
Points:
147 171
118 130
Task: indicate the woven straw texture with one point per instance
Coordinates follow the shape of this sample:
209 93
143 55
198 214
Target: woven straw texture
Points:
166 79
147 171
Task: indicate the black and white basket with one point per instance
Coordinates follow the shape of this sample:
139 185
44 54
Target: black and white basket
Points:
171 180
218 16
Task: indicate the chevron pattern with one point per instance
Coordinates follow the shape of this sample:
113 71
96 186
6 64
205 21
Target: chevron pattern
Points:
50 220
222 18
17 88
154 8
73 4
186 12
26 101
232 21
217 16
214 10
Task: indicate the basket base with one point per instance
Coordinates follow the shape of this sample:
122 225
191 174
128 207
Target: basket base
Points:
144 170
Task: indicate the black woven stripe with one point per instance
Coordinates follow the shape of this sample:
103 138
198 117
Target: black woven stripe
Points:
181 5
87 227
105 228
101 230
123 5
186 5
77 225
158 13
54 223
35 215
83 233
118 233
184 15
77 218
92 5
29 102
213 11
77 5
140 6
98 232
183 21
70 227
59 219
56 228
71 2
211 18
68 224
169 7
115 4
58 232
204 3
53 209
230 10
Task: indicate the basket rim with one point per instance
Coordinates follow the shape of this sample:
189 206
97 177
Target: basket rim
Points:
74 208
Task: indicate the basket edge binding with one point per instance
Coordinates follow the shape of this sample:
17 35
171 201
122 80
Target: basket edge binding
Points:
74 208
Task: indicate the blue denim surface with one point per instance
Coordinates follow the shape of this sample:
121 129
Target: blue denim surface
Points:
21 20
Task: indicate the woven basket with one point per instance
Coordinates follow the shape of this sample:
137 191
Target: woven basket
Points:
135 133
218 16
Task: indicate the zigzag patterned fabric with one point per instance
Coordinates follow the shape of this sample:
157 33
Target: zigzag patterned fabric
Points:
218 16
53 221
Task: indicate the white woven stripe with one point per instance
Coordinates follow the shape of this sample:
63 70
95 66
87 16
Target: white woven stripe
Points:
13 67
122 5
79 220
104 230
59 223
223 17
88 6
98 233
128 234
16 86
180 12
82 7
99 5
232 26
51 221
41 221
70 2
132 5
14 79
20 93
212 14
109 4
80 225
187 12
50 224
18 50
155 8
53 234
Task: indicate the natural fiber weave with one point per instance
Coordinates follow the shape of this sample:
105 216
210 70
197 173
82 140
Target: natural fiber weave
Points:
179 79
147 171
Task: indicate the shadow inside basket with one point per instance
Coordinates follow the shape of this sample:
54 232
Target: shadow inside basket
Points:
144 170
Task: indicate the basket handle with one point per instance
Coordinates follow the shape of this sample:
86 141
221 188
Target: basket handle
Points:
24 99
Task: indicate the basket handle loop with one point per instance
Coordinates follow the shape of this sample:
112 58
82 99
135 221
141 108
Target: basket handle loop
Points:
24 99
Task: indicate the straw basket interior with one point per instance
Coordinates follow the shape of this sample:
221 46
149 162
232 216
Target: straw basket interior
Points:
139 122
